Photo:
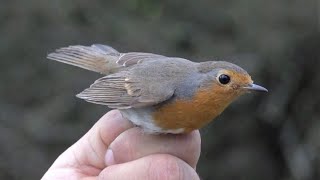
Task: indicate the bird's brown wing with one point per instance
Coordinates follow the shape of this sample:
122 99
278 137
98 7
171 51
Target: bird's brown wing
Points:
120 91
128 83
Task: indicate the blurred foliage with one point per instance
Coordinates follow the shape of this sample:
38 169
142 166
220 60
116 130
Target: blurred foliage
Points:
273 136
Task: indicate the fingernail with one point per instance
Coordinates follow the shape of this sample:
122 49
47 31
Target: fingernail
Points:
109 158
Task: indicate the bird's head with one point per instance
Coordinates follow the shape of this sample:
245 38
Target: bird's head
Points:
228 81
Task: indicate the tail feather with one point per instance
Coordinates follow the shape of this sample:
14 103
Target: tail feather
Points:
97 58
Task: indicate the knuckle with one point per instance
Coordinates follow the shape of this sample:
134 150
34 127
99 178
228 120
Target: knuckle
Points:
124 148
165 167
113 114
192 150
195 142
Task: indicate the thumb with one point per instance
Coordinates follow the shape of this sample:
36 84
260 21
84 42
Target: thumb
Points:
90 150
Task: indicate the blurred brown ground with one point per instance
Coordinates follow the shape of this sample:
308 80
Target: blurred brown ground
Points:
273 136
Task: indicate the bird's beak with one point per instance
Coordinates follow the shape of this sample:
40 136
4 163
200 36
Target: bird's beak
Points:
254 87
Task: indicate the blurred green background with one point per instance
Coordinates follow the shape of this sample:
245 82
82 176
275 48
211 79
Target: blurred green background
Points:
260 136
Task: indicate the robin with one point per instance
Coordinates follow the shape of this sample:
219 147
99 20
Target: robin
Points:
158 93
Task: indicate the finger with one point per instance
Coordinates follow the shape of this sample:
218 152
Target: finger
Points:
158 166
134 144
90 150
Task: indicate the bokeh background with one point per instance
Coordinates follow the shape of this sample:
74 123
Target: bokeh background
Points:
260 136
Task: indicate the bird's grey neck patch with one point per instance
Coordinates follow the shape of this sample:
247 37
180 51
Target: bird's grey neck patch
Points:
187 88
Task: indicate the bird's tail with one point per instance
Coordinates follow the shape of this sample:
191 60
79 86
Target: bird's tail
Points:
97 58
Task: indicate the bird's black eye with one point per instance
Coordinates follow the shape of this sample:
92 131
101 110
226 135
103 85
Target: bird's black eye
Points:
224 79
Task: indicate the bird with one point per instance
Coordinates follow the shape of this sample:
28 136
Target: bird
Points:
160 94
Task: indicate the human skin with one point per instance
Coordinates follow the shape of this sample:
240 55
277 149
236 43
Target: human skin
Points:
114 149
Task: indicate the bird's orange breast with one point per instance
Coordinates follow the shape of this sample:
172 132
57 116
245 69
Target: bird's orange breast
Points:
193 113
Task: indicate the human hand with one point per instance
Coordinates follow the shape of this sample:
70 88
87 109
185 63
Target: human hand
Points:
114 149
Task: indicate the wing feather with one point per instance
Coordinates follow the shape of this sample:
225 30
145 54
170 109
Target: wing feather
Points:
132 58
118 91
109 90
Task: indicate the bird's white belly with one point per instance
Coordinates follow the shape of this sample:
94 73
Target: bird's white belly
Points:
143 117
